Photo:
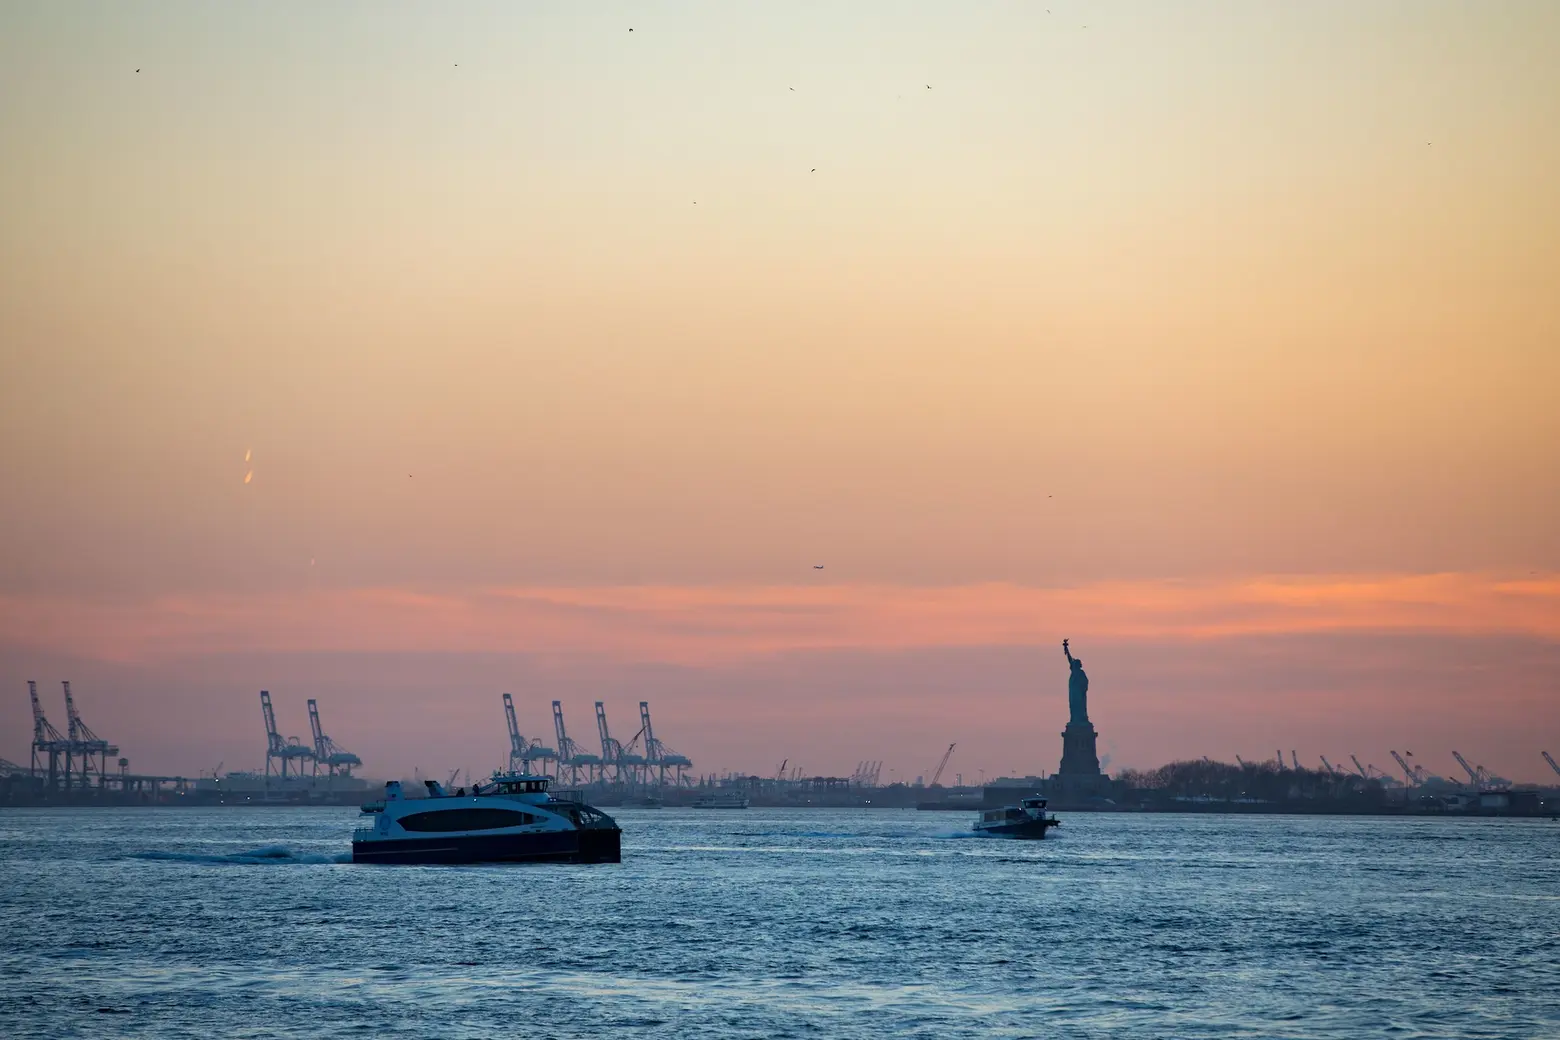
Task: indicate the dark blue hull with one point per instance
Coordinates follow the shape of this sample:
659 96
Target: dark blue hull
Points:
1032 830
589 845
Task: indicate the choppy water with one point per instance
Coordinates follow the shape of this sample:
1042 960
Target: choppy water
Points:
784 923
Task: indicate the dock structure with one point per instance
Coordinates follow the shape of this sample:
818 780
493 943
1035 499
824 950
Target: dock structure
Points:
78 765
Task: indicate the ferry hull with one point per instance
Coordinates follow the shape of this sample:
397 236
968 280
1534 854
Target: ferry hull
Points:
1028 830
590 845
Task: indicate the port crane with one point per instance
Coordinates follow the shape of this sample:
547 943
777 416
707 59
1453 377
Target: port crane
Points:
1363 771
521 750
658 754
277 748
780 773
625 765
1474 777
1414 777
937 774
1329 766
1480 777
87 744
335 759
569 753
47 741
1551 762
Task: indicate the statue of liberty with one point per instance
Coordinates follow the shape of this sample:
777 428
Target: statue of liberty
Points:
1077 690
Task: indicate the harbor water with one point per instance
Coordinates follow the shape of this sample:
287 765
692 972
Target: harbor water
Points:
174 923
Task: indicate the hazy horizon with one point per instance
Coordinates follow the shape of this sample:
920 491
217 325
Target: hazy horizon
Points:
400 357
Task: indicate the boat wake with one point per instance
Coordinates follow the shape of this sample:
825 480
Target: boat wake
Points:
269 854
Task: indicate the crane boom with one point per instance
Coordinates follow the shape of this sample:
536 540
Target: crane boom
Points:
1473 776
936 776
1413 777
516 741
1551 761
321 752
1329 766
1363 771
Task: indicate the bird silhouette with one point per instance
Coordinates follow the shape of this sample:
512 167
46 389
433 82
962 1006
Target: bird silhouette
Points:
138 70
817 566
813 170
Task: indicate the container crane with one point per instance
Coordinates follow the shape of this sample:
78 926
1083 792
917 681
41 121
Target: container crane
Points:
611 749
47 741
780 773
658 754
1415 774
1363 771
1473 775
937 774
336 760
1551 762
87 744
1329 766
1294 758
569 753
276 747
519 747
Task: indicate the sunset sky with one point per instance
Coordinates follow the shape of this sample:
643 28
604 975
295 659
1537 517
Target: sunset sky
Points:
1221 338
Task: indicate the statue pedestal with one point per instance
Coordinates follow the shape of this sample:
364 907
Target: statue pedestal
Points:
1079 756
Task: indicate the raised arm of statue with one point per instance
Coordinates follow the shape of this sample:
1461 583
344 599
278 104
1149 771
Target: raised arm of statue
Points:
1066 651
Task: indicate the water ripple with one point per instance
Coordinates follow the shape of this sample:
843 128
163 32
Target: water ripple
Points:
868 923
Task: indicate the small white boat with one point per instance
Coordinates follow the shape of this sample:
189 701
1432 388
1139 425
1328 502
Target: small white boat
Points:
509 819
722 800
1027 819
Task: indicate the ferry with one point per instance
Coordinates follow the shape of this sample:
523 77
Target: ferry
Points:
722 800
1027 819
511 818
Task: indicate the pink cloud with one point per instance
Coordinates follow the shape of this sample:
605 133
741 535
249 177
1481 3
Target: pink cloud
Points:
705 624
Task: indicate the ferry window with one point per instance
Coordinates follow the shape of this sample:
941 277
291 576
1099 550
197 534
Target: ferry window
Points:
477 819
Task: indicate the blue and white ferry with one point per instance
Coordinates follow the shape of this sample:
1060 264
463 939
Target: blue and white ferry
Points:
511 818
1027 819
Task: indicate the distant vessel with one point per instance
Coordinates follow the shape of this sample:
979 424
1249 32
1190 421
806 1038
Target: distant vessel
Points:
722 800
1027 819
509 819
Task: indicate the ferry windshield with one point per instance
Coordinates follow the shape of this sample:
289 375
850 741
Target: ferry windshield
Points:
522 787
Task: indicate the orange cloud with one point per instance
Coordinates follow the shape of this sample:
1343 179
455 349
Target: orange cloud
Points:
692 625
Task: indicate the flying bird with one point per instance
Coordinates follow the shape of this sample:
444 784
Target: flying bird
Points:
814 170
817 566
246 454
251 473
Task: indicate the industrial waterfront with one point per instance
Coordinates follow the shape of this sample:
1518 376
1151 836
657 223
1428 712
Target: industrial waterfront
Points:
76 767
